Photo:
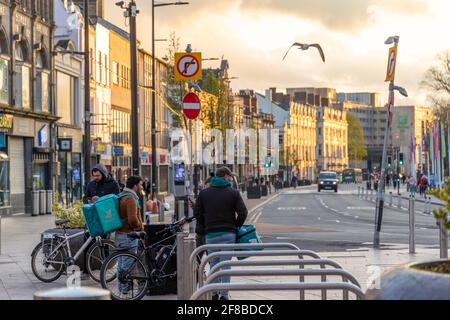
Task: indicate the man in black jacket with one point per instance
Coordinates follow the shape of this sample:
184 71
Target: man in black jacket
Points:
220 211
102 184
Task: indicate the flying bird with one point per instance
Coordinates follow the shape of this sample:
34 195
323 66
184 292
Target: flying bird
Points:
303 46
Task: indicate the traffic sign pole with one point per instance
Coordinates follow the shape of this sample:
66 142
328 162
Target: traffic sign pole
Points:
381 187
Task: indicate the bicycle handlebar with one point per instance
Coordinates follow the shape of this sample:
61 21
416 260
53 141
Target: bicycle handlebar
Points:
177 224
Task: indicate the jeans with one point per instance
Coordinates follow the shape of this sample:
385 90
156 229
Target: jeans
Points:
226 238
125 264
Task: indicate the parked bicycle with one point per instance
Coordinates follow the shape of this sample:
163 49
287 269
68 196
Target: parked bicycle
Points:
52 256
147 268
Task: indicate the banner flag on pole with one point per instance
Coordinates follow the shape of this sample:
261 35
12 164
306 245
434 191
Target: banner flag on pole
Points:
436 140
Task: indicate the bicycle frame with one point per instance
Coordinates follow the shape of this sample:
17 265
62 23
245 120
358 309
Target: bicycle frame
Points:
66 243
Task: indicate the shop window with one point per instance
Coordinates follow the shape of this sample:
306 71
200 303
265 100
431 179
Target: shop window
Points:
40 172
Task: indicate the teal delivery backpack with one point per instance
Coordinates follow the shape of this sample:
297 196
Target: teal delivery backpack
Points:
102 217
247 234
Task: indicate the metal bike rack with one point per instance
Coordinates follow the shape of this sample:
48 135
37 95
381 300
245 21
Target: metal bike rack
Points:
268 253
346 276
195 275
280 286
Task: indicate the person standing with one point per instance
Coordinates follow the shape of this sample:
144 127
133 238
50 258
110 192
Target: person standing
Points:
129 209
102 184
220 211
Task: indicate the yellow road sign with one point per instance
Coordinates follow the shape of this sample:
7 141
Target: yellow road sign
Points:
188 66
392 63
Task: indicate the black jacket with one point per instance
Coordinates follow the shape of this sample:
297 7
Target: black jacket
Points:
219 209
107 186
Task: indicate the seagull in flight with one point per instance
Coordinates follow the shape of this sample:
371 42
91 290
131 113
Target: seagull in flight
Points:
303 46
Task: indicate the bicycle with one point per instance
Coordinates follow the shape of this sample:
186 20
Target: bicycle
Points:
147 267
52 256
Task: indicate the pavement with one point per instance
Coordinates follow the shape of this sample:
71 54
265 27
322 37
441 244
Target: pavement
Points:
337 226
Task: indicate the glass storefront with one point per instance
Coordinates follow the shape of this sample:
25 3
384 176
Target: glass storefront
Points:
40 176
69 184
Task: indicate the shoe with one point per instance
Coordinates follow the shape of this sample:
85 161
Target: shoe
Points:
215 297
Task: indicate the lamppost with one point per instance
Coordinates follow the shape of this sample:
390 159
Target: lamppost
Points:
153 142
380 194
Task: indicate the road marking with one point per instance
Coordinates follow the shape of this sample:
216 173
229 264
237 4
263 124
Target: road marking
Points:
360 208
291 208
256 217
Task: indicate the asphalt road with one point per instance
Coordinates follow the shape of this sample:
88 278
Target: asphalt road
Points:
329 221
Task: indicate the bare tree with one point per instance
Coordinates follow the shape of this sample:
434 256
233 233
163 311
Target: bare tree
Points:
437 81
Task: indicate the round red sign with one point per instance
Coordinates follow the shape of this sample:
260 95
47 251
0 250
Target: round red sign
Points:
191 106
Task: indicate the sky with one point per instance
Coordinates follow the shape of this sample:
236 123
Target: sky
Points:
254 35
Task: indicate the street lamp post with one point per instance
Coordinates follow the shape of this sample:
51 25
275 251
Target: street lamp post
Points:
381 186
87 98
153 130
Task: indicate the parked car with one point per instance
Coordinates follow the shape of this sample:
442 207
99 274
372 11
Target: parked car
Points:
328 181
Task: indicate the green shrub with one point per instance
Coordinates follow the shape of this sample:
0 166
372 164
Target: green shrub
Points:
444 195
74 213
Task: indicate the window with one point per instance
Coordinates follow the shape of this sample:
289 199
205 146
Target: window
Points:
115 74
4 81
42 87
22 78
67 101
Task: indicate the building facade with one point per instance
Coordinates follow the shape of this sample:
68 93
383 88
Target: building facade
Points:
69 75
405 120
332 139
27 143
300 141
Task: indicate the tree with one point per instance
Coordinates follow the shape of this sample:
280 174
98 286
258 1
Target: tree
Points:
437 81
356 142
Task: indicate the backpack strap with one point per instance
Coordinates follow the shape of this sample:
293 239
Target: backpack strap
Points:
129 194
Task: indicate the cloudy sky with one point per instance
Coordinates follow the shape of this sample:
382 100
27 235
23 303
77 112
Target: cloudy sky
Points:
255 34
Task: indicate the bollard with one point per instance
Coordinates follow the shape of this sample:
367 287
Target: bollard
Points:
73 294
391 199
399 205
42 202
35 209
367 194
359 192
371 194
185 246
443 239
429 206
49 194
161 212
412 225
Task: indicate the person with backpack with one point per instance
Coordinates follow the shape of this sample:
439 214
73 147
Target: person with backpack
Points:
102 184
130 211
220 211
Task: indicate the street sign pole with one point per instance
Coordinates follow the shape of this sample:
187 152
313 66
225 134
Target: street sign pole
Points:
381 187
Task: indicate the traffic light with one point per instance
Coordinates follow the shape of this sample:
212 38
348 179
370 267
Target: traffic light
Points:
401 159
389 162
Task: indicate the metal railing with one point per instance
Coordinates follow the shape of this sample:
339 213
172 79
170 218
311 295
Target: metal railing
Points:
280 286
193 257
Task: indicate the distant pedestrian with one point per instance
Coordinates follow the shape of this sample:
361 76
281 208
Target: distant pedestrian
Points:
220 211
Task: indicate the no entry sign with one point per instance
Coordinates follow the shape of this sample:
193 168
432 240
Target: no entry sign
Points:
191 106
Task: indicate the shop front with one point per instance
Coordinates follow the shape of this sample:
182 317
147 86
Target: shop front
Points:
6 122
70 181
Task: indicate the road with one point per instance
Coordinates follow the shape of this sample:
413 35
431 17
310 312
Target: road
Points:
329 221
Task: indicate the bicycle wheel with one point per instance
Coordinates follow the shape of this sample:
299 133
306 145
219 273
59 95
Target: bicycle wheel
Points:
125 276
96 255
47 265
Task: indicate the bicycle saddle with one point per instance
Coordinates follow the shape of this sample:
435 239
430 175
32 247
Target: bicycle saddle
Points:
62 222
137 235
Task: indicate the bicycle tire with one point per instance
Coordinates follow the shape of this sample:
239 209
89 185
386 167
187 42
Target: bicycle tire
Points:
59 255
92 258
138 269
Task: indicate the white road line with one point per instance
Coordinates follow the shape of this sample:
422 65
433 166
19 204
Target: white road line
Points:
257 217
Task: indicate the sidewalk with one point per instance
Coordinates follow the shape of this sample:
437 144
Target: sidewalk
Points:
21 233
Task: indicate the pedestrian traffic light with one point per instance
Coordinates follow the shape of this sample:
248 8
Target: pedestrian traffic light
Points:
401 159
389 162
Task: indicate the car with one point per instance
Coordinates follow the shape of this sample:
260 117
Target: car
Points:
328 181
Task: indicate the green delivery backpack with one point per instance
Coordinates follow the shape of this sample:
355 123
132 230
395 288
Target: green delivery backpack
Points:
247 234
103 217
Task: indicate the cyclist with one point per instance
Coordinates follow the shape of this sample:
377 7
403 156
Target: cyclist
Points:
131 210
102 184
219 211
